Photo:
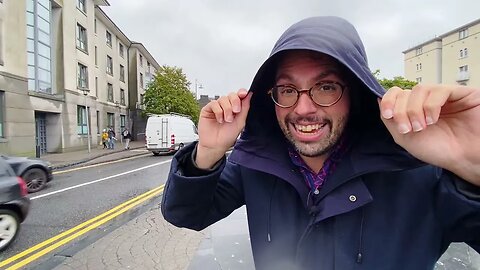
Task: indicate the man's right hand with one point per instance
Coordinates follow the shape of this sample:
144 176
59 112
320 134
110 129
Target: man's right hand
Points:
219 125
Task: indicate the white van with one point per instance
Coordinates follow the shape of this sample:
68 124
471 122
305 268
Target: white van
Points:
169 132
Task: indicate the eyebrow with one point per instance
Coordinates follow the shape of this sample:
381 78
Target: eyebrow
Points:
319 77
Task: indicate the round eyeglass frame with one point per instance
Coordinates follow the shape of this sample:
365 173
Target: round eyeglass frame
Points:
309 91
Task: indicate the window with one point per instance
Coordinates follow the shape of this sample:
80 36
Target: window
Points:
418 51
111 120
82 38
463 68
142 98
122 122
95 25
419 79
122 97
141 60
120 49
109 65
141 80
122 73
465 52
96 87
39 54
109 38
81 120
109 92
96 56
98 122
2 113
463 33
81 5
82 77
148 67
419 66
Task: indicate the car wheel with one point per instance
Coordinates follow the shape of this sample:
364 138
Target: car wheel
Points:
36 179
9 226
156 153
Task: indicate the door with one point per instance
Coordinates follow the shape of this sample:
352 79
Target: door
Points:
41 132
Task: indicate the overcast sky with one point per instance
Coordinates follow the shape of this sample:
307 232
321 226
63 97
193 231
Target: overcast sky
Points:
221 44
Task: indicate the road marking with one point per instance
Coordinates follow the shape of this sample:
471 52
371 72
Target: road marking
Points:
78 230
98 180
97 165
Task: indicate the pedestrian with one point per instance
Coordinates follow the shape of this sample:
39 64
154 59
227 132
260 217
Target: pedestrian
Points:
111 138
328 181
105 139
126 137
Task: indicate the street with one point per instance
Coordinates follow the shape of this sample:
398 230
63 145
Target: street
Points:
133 234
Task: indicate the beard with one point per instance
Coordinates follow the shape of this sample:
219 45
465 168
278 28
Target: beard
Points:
320 147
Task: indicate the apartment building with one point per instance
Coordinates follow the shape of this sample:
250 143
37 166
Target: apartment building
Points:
142 71
451 58
64 73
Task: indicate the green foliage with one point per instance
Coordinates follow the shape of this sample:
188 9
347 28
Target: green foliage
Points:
397 81
169 92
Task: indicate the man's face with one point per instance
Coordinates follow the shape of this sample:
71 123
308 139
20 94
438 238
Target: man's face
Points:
312 129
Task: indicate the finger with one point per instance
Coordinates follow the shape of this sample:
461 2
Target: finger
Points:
227 108
433 105
400 116
245 107
235 101
387 103
415 107
393 109
217 110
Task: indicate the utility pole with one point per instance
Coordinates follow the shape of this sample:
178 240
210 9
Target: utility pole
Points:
87 114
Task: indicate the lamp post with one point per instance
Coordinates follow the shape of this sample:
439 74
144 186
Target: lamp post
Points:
85 93
197 86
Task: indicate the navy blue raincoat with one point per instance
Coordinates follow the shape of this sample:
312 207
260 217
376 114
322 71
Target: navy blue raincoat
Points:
380 209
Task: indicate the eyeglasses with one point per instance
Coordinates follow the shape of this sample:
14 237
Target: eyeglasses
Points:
324 93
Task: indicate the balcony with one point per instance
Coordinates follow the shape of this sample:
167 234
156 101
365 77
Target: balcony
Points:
463 76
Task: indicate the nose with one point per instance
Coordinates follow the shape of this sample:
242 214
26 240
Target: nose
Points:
305 104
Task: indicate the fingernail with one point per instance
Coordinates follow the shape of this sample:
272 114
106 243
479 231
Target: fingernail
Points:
236 109
416 126
387 114
429 120
403 129
229 118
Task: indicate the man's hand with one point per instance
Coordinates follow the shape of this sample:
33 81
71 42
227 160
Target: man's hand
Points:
437 124
219 125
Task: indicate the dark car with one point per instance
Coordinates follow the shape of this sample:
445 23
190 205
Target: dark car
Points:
36 172
14 204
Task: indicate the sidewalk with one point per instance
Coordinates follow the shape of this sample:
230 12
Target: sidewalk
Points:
97 155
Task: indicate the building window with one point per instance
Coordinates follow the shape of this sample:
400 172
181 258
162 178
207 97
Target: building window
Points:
122 122
39 57
122 73
98 122
81 5
96 87
463 68
111 120
141 80
82 38
2 113
418 51
148 67
82 77
109 65
122 97
96 56
109 38
81 120
419 79
141 60
465 52
142 98
120 49
95 25
463 33
109 92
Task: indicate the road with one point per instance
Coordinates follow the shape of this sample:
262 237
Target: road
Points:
76 196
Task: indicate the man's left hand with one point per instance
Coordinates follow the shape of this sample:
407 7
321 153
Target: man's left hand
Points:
437 124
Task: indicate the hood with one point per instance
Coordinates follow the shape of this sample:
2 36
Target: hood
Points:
335 37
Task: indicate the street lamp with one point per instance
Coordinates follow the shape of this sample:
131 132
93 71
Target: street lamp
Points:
85 93
197 86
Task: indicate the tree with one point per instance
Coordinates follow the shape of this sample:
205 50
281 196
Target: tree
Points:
169 92
397 81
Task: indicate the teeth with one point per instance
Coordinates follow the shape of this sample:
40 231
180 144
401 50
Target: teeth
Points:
308 128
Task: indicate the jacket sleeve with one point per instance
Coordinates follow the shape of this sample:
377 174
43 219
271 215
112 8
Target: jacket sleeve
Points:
459 209
199 200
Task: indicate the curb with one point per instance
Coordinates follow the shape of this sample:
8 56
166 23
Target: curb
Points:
75 163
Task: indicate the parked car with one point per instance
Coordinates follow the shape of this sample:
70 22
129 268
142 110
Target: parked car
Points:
14 204
36 172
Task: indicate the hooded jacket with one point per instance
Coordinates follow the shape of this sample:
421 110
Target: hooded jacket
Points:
380 209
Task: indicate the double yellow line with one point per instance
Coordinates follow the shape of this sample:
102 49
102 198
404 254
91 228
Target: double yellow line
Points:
67 236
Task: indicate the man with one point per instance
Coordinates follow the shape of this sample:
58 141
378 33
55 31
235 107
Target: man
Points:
333 183
126 137
111 138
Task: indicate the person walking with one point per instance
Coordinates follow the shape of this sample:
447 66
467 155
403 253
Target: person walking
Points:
126 137
105 139
335 171
111 138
